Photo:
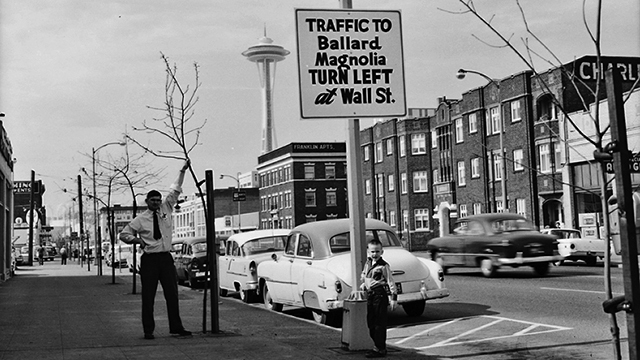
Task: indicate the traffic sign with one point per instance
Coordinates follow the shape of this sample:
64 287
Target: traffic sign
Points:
239 196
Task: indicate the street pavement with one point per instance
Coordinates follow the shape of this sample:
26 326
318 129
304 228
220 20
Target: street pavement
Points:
58 311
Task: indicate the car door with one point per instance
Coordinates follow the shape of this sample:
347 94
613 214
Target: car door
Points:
475 240
223 265
453 254
281 286
302 260
236 268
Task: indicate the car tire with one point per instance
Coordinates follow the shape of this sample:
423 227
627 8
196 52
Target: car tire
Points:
223 292
541 269
192 282
268 301
247 296
330 318
591 260
414 308
487 268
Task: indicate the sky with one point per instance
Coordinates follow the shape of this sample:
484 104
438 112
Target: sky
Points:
77 74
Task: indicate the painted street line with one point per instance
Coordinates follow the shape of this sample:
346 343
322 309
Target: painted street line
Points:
578 290
497 324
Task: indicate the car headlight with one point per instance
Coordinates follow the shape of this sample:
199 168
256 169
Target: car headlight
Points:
441 275
338 286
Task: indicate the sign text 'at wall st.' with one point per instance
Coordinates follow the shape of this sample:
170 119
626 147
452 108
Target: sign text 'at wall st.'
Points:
350 63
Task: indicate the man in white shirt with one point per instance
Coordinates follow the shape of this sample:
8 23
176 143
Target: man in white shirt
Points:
152 231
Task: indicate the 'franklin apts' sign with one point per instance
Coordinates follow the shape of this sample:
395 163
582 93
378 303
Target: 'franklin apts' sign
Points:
350 63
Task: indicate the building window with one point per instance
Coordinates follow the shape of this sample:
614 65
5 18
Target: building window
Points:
420 181
499 206
421 218
544 158
330 171
521 207
473 123
517 160
405 219
392 218
515 111
463 211
367 186
365 154
418 144
403 183
436 175
390 184
459 131
389 146
477 208
497 166
495 121
402 145
461 174
310 197
558 156
378 153
475 168
311 218
434 140
309 171
380 185
332 199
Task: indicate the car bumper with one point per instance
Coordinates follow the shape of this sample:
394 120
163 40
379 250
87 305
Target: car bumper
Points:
402 298
519 260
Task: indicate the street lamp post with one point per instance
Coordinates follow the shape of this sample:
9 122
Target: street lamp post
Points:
98 245
237 179
461 75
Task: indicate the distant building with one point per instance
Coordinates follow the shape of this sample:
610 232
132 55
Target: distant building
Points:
302 182
6 203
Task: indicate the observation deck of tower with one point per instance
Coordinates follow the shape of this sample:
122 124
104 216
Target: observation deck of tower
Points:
266 54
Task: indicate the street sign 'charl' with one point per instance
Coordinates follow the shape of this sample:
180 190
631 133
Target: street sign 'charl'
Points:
350 63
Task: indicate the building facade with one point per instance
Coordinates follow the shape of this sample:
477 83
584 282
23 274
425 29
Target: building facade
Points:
6 203
302 182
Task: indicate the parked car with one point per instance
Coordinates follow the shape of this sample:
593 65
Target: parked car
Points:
490 241
191 260
314 270
572 246
130 259
242 255
122 253
20 258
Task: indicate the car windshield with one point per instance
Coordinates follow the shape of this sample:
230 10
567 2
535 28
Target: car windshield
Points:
507 225
268 244
200 247
341 243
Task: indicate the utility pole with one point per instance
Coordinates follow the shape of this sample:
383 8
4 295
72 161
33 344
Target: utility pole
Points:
80 217
31 224
620 150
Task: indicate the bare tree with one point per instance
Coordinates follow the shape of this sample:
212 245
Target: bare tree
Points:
536 50
176 124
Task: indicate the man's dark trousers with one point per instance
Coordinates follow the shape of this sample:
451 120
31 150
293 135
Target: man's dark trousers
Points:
156 267
377 302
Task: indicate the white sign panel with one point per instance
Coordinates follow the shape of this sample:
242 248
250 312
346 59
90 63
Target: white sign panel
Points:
350 63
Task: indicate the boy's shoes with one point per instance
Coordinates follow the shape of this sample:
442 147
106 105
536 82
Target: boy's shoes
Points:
182 332
149 336
376 354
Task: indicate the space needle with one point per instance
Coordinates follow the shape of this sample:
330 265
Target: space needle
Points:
266 54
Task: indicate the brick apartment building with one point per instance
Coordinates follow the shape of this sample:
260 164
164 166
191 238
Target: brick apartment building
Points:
302 182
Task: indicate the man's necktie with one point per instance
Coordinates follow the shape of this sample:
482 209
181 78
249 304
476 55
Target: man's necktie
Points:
156 227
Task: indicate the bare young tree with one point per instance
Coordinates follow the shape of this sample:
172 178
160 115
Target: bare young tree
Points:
531 50
177 124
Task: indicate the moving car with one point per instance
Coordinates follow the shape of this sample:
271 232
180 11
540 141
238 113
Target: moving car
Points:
314 270
572 246
243 253
490 241
190 259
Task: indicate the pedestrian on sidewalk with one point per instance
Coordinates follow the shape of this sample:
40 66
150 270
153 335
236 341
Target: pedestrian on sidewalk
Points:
381 293
41 255
63 256
152 231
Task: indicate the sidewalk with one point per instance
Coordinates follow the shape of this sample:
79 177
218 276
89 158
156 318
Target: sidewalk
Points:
66 312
